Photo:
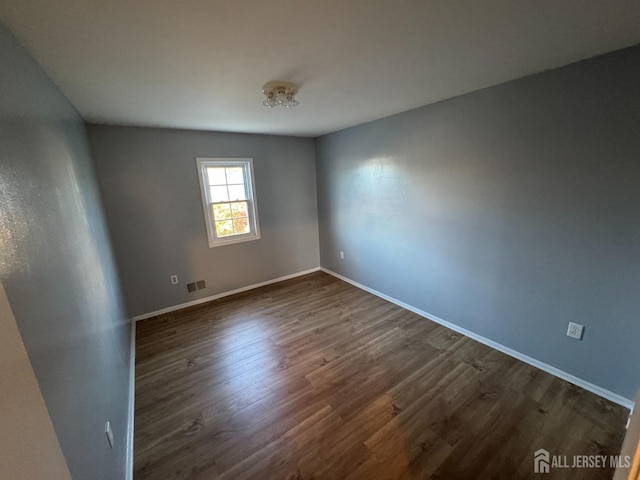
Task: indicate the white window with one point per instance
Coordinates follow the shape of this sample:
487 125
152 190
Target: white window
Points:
229 200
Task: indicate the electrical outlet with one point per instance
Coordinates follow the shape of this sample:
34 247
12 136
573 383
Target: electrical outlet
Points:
341 255
575 330
109 433
174 279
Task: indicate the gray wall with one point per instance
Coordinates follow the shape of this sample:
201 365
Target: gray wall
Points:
149 183
509 212
57 268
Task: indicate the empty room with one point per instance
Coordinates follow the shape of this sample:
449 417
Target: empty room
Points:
319 240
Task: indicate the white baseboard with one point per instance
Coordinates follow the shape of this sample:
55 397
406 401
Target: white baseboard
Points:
223 294
604 393
132 399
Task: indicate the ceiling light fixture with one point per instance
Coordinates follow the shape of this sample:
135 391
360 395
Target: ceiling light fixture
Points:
280 93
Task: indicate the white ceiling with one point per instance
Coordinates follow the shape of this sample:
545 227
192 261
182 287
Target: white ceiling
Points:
201 64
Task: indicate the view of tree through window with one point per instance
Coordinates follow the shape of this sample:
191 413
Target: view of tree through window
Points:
227 187
228 198
231 218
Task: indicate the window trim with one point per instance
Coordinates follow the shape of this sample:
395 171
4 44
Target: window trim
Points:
250 188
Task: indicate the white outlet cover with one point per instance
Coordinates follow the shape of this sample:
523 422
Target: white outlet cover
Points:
174 279
341 255
575 330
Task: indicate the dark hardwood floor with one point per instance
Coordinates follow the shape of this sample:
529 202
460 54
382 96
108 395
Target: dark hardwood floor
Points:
313 378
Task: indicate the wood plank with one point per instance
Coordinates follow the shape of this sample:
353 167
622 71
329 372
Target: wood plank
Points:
313 378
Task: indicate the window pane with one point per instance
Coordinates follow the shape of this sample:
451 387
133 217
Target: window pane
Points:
239 209
219 194
236 192
235 175
221 212
216 176
241 225
224 228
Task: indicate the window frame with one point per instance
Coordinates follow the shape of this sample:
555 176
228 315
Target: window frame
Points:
207 204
